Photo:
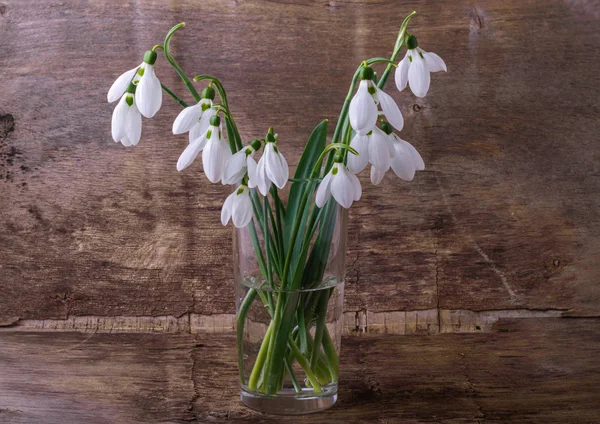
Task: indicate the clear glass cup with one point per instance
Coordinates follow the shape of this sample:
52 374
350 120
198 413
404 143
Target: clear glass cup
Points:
279 325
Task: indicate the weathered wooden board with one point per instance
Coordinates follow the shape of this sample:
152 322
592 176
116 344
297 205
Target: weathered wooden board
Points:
505 217
529 371
60 378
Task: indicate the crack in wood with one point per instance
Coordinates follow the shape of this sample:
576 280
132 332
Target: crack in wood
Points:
426 321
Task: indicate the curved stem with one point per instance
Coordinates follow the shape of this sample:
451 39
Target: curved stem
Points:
171 60
397 48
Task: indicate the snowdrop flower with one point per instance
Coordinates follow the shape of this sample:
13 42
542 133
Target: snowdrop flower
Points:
196 118
272 167
414 69
215 152
238 207
241 163
148 98
340 183
374 148
363 107
126 119
403 158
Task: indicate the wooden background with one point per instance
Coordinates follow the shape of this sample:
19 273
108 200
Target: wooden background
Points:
505 221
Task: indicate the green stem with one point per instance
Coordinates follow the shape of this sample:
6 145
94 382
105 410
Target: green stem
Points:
170 93
173 62
290 371
321 314
397 48
332 357
305 365
240 321
260 359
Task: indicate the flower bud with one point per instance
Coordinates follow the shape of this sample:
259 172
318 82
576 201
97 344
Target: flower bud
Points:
411 42
256 145
215 121
208 93
150 57
270 136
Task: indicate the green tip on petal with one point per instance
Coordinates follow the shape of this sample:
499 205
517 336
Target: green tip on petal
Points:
386 128
367 73
150 57
208 93
411 42
215 121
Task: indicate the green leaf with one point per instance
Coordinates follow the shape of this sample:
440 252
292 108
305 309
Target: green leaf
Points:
235 143
313 149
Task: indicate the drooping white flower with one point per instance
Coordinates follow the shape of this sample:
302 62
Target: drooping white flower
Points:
414 69
148 96
363 106
241 163
374 148
237 207
340 183
196 118
117 89
272 168
126 120
384 149
215 152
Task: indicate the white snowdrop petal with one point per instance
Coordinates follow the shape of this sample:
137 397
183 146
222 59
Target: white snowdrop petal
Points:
186 119
251 169
416 157
355 185
261 181
119 119
403 165
379 150
242 209
190 153
323 191
226 210
418 76
376 175
133 125
148 95
360 143
434 62
276 166
235 168
342 189
401 74
204 122
211 160
117 89
390 110
125 142
363 111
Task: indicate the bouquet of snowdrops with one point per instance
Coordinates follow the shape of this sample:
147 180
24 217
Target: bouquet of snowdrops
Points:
291 241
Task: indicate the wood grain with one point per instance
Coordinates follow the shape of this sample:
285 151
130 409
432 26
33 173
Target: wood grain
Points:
527 371
60 378
505 217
